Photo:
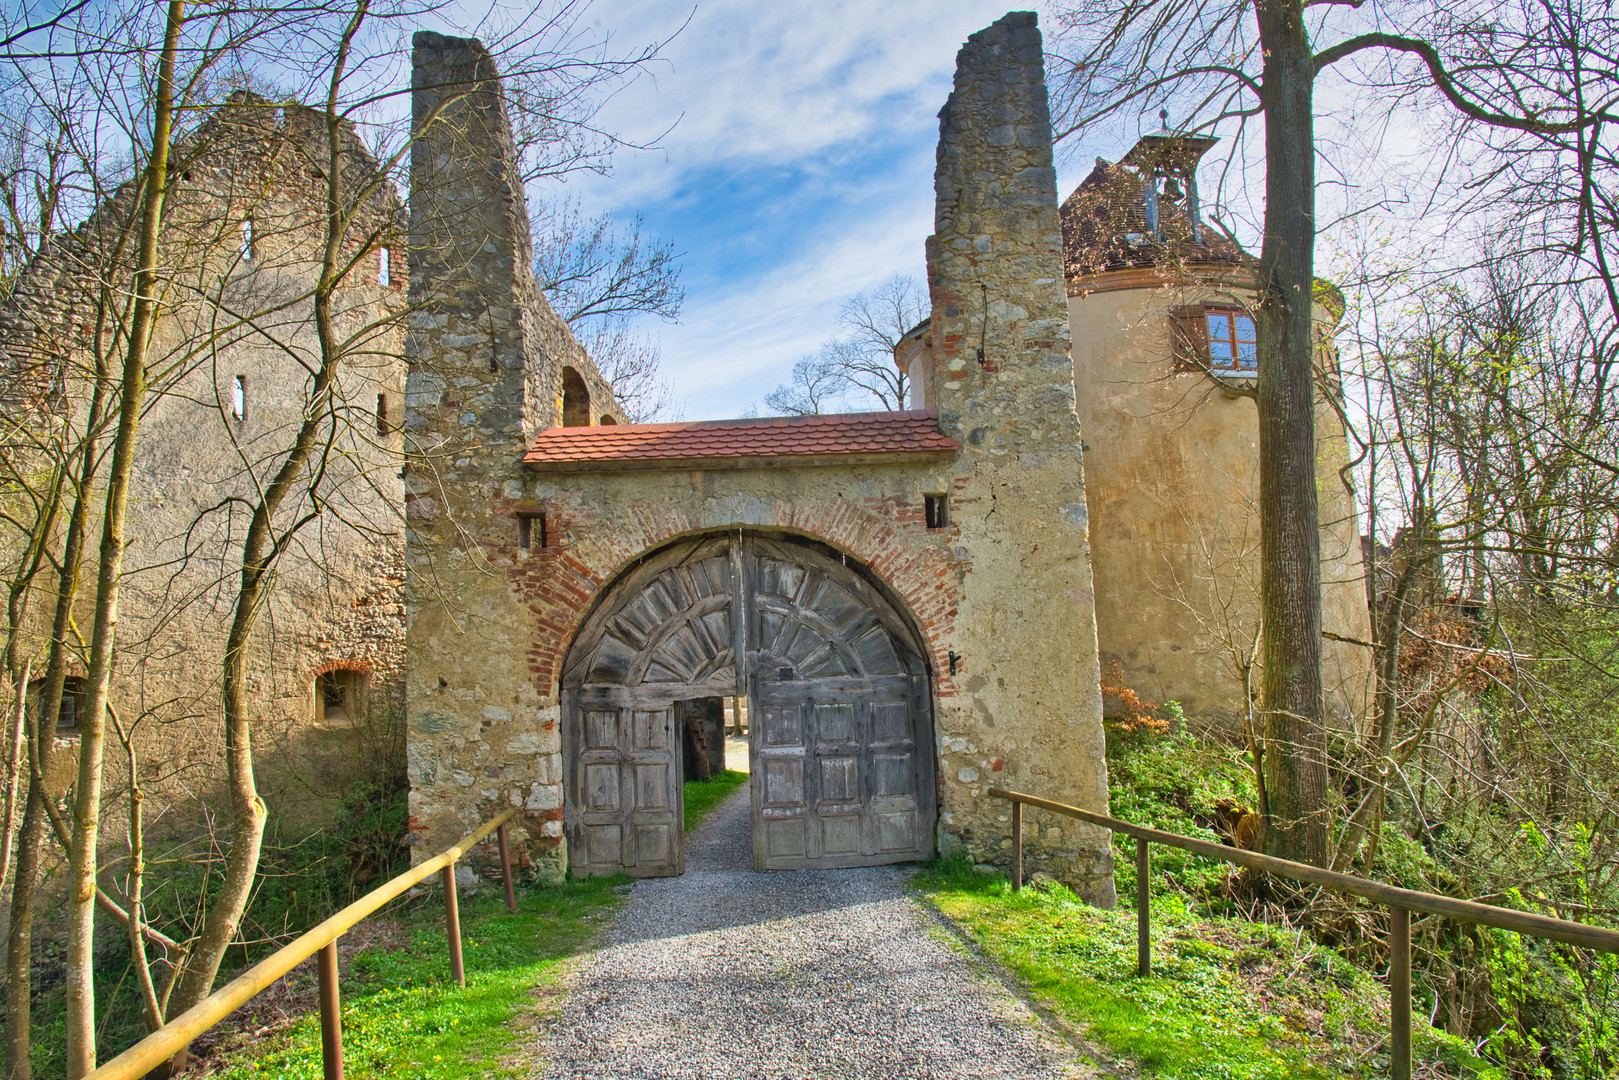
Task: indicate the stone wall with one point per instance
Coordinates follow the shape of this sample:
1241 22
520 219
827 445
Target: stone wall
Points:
1004 382
337 596
1001 597
486 355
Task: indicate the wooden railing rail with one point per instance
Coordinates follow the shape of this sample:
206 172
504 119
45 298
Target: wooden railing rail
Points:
170 1039
1401 903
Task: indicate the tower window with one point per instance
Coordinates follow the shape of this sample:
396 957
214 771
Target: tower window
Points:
384 270
382 414
1233 341
1221 340
247 239
531 530
238 399
936 510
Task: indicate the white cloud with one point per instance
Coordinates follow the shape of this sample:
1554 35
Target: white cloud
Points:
776 84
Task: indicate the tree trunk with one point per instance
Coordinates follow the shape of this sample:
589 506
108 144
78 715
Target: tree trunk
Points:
260 550
1290 542
31 842
81 883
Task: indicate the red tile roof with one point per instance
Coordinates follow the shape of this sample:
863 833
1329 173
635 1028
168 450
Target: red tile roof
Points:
849 438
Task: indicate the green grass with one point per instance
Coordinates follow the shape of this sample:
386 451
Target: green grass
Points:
1228 999
402 1016
702 796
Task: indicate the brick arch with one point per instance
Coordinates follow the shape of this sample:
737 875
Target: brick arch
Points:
326 667
566 583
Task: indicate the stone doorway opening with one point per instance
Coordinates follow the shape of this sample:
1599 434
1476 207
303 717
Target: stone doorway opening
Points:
830 678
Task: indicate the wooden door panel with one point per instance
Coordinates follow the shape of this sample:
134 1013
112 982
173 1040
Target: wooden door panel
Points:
858 794
625 809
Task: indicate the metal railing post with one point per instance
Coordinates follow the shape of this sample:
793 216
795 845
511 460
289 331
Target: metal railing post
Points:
331 1013
506 868
1017 845
1143 909
1400 993
452 925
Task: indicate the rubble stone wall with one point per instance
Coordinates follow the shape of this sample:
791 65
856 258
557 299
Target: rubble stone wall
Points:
337 594
1004 381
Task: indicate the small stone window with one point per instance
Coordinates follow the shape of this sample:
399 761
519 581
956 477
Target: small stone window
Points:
384 270
382 414
575 399
606 420
247 240
531 530
340 697
73 692
238 399
936 511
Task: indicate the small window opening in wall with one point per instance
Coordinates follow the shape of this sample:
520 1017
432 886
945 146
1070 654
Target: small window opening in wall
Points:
382 414
67 718
384 271
531 530
247 239
238 399
340 698
607 420
936 510
575 399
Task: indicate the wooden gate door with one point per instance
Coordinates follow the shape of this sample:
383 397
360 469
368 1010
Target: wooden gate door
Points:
842 738
627 772
842 741
665 635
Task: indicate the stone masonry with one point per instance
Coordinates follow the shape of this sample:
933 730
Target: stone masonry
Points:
1000 596
1004 384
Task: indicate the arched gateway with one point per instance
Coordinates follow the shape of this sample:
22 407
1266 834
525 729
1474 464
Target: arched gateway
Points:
841 747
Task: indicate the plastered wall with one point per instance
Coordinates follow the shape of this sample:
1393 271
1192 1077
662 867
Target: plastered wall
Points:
1172 482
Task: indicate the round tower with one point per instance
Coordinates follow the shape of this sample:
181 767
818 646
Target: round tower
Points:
1161 306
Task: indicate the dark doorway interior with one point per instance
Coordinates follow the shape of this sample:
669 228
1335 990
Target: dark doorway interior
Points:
702 741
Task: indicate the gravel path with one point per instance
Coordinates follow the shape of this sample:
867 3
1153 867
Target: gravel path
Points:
726 973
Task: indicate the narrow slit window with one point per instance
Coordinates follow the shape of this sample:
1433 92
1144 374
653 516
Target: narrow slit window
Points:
247 239
531 531
382 414
384 271
238 399
936 510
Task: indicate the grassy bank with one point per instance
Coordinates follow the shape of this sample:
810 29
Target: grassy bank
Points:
1228 999
402 1016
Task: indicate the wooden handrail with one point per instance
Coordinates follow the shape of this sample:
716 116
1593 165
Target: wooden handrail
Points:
1524 922
1401 903
174 1036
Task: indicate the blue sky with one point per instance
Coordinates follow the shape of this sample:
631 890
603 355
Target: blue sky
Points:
799 169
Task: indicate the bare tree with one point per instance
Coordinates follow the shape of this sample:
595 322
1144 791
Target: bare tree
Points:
873 323
817 382
599 278
1225 62
857 369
